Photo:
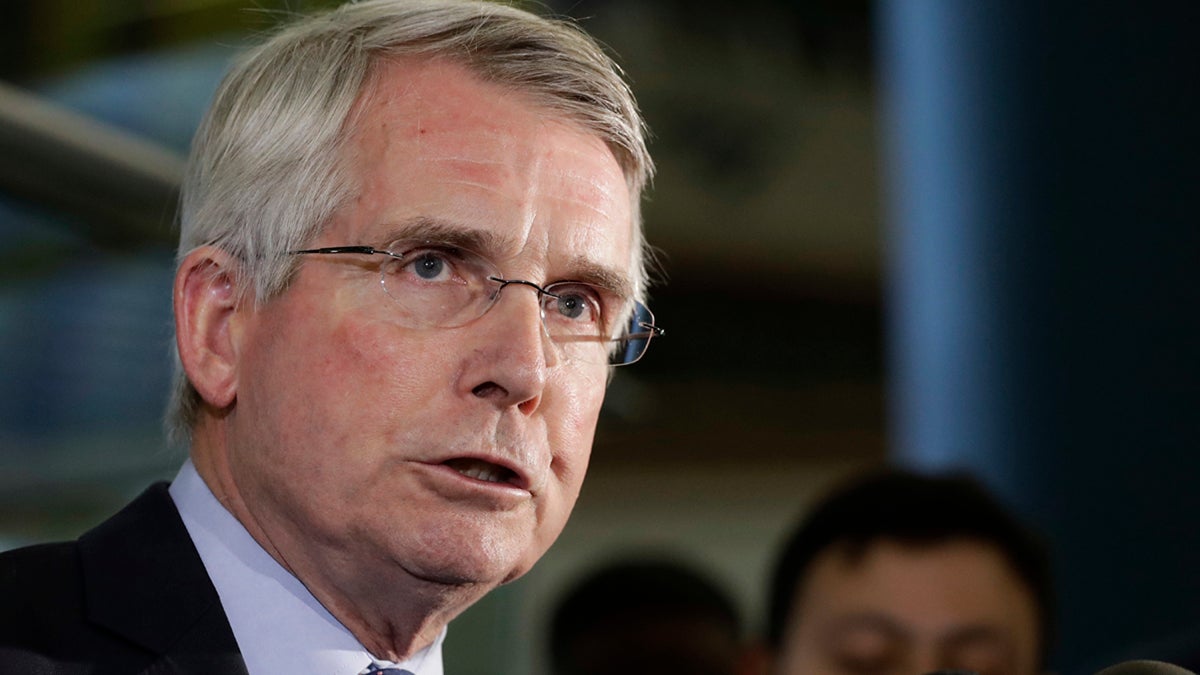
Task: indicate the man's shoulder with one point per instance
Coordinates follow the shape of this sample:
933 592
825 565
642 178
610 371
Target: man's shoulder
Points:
108 598
52 574
20 566
42 608
43 615
36 577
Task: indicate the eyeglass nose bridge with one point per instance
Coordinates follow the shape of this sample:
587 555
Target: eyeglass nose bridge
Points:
504 283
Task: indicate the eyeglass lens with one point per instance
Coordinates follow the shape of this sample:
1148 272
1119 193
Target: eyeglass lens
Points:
446 287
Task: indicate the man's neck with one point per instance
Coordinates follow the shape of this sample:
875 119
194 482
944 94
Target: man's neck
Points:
393 616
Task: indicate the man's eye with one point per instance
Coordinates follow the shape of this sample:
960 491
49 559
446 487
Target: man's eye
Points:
428 266
571 306
577 302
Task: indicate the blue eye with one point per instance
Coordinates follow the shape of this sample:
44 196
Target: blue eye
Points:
428 266
571 306
576 303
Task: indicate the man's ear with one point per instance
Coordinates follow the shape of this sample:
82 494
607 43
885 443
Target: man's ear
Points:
206 328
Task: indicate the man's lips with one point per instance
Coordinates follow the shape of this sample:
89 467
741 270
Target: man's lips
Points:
486 471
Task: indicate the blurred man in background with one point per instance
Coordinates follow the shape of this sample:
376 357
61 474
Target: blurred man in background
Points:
410 255
645 617
900 574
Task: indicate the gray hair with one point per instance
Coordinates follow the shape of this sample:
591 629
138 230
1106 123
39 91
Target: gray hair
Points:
266 168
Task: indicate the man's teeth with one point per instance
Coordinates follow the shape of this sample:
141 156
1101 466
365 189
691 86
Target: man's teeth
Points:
481 473
480 470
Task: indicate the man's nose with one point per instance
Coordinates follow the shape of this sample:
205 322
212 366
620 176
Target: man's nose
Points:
925 659
519 352
528 316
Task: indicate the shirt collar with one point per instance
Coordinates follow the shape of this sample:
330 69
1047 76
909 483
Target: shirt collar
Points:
279 626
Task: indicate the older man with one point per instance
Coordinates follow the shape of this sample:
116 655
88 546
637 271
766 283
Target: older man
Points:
410 254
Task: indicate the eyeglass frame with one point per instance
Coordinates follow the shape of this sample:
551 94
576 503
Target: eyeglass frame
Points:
651 330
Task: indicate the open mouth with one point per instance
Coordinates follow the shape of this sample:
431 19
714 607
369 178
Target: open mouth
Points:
481 470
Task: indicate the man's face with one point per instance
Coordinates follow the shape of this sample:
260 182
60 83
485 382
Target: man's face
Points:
905 610
351 432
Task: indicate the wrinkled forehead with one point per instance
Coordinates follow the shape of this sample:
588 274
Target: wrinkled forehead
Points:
435 88
432 140
399 77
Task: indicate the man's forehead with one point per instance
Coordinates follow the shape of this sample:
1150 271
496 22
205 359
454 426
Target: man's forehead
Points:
439 98
434 144
942 589
435 104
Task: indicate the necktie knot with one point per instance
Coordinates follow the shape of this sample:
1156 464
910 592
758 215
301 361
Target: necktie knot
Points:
380 669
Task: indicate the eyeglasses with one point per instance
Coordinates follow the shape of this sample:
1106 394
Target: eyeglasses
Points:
446 286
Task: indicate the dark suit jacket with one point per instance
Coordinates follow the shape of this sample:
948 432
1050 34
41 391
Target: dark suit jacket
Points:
129 597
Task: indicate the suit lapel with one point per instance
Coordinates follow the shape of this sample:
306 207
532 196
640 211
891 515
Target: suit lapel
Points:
144 580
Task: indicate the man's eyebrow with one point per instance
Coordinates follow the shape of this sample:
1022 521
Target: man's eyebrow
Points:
428 229
866 621
588 271
976 633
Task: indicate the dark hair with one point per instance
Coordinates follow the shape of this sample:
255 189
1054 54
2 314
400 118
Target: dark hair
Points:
913 509
645 590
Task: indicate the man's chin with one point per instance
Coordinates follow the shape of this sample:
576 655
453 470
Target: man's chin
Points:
466 574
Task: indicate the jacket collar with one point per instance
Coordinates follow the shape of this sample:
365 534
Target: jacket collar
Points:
144 581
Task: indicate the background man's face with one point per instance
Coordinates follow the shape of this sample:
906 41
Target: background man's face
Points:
352 431
906 610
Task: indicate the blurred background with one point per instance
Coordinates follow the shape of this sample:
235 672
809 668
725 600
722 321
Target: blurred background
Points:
949 234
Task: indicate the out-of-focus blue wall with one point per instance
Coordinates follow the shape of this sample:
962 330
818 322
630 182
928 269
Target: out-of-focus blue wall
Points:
1045 288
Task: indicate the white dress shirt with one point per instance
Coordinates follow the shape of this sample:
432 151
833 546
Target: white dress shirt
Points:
279 626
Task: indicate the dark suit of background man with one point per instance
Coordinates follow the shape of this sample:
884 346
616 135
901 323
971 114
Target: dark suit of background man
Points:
410 253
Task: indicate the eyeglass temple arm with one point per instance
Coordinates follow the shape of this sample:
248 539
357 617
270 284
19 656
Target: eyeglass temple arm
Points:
651 331
369 250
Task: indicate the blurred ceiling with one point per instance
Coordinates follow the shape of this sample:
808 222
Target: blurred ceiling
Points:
763 116
766 210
